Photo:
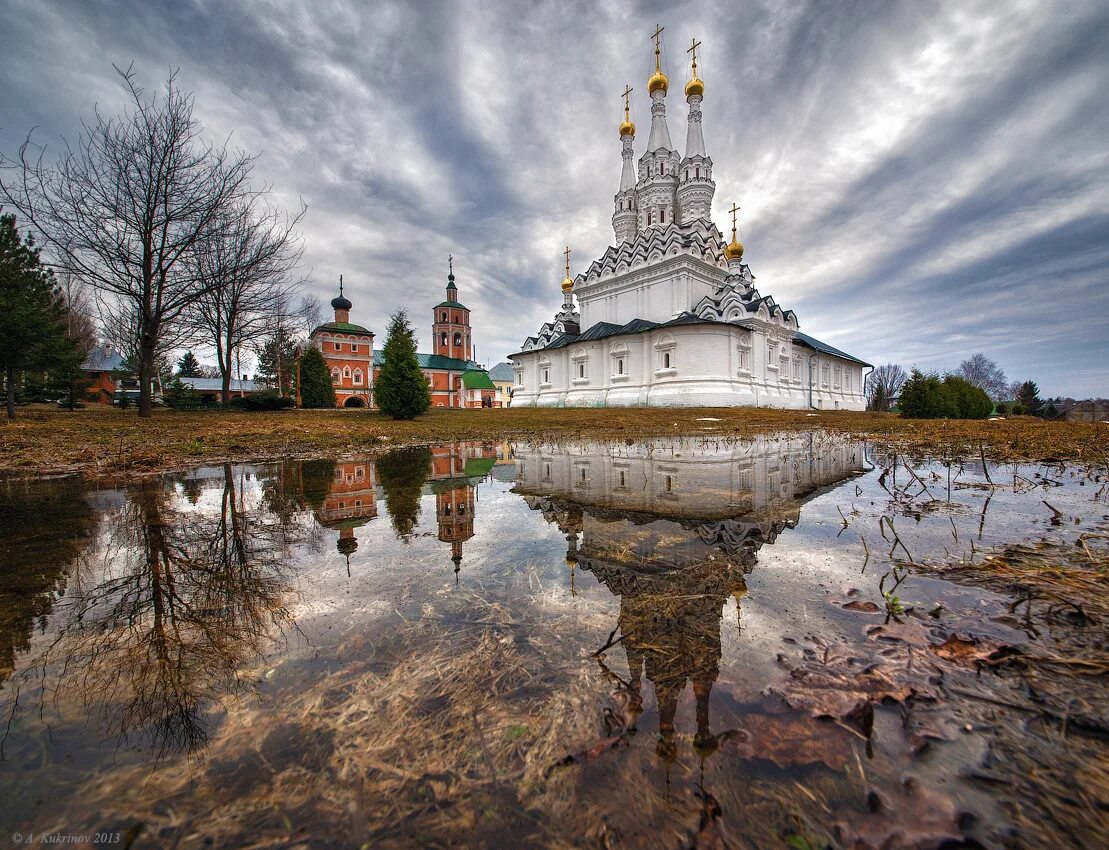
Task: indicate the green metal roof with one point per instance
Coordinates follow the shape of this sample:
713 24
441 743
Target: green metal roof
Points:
477 380
451 304
478 467
433 361
343 327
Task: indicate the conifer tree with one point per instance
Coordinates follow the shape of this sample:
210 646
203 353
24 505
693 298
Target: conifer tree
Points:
188 366
316 389
32 316
401 389
1029 397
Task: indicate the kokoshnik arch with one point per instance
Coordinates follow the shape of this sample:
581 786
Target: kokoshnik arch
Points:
669 315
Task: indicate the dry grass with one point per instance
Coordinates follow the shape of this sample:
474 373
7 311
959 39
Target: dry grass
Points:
103 441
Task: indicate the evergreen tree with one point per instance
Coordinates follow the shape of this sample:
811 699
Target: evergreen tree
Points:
1029 398
403 474
32 316
316 389
188 366
401 389
67 381
277 361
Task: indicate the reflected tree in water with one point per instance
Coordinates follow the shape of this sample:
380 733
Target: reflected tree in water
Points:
44 526
403 474
178 605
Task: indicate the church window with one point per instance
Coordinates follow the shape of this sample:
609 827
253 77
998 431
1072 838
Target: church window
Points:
847 377
662 216
666 360
669 483
546 376
456 320
581 370
346 371
334 376
358 377
648 219
338 346
447 509
697 171
583 473
797 369
461 508
622 479
442 339
771 353
620 366
354 348
824 375
839 377
458 339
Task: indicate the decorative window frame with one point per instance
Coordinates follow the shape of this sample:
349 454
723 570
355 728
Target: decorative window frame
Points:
621 357
798 372
837 377
544 375
664 350
580 368
356 377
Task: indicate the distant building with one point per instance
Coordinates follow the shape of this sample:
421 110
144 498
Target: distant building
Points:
104 366
502 377
211 389
453 376
1087 411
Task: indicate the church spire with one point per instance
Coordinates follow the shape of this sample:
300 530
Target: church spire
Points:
624 215
656 87
695 188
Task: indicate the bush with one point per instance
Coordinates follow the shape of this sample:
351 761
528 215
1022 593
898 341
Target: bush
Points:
925 396
180 396
263 401
1002 408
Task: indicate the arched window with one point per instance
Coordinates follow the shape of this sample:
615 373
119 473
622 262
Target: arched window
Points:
346 372
662 216
456 319
458 339
666 360
442 339
358 377
697 171
334 376
648 219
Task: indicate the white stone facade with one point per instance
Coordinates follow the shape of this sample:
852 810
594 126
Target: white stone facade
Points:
669 315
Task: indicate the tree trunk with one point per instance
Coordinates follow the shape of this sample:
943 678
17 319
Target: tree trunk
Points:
146 376
11 392
226 393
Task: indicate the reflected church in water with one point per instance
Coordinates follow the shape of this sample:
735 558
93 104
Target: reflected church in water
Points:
673 533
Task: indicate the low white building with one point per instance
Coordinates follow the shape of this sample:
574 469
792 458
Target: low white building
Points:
669 315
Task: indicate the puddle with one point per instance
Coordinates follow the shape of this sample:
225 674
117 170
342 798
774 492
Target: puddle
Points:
786 642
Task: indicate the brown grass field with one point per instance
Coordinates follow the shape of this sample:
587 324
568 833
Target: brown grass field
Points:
100 441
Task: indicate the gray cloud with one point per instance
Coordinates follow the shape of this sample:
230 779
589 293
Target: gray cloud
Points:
919 181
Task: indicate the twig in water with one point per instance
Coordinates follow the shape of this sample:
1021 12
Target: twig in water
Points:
982 454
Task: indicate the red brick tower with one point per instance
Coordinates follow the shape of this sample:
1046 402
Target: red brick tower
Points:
454 509
450 324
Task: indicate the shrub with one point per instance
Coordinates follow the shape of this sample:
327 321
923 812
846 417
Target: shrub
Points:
263 401
1003 408
925 396
180 396
971 401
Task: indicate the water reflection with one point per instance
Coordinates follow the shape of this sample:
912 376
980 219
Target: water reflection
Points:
673 534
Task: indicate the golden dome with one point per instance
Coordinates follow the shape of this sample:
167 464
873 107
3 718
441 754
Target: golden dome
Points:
571 560
567 284
734 250
658 82
627 128
694 87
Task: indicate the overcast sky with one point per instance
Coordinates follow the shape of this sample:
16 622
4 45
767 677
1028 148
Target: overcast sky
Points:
918 180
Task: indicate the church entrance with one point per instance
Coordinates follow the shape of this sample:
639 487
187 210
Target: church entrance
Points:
355 401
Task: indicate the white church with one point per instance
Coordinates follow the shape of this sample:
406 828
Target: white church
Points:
669 315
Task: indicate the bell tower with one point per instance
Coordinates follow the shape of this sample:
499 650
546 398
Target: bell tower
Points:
450 324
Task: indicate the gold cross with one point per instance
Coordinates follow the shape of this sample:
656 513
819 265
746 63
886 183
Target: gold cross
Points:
450 263
657 37
567 253
733 211
693 50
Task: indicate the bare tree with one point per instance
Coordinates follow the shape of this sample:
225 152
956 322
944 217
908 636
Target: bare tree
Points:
883 386
245 262
985 374
80 324
125 207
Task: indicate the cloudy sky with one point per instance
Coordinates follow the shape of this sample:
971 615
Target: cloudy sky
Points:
919 180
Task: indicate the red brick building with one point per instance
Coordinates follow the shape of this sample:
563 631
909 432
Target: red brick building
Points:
454 378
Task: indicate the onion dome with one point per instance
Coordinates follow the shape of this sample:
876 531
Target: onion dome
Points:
627 128
341 303
734 250
694 87
567 283
657 82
